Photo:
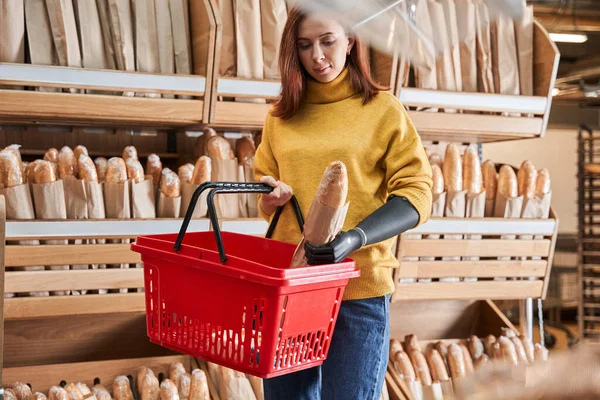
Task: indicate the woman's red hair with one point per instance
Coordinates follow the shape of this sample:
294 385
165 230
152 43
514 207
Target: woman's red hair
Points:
293 75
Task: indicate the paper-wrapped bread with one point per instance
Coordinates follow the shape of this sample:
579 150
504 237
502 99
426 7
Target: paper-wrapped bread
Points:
170 185
116 172
186 172
101 167
472 176
135 171
490 179
67 164
44 172
219 148
543 183
526 180
154 168
507 182
130 152
11 169
202 171
244 150
87 169
51 155
452 168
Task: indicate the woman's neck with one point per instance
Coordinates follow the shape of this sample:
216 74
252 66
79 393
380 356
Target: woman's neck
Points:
322 93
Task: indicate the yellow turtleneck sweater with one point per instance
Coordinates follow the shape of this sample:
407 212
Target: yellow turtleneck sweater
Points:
381 150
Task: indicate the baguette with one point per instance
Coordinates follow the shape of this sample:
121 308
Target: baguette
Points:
57 393
51 155
542 183
333 188
184 385
438 180
439 373
79 150
452 168
526 179
475 347
490 179
456 361
186 172
199 389
168 390
411 342
74 392
488 345
472 176
436 159
540 353
520 350
244 150
529 349
101 167
202 170
121 387
11 169
481 361
442 348
469 368
9 394
508 349
135 171
42 396
420 366
101 392
85 390
507 182
44 172
148 386
200 148
116 171
497 351
509 333
154 168
22 391
15 148
219 148
394 347
130 152
404 366
87 168
67 164
176 370
170 185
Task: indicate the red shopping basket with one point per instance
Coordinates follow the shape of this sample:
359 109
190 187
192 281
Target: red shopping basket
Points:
244 309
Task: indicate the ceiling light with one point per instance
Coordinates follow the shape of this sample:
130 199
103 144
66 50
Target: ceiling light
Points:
555 91
569 37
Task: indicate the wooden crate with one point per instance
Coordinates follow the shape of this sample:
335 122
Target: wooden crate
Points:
36 107
480 122
523 265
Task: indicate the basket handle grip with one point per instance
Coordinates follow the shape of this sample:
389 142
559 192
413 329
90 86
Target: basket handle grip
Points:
231 187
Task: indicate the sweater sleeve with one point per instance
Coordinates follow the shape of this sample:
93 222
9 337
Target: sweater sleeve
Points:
265 163
407 168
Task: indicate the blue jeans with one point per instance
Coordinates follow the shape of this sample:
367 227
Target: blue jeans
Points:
357 360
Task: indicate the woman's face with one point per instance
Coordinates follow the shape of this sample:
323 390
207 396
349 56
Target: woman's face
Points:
323 47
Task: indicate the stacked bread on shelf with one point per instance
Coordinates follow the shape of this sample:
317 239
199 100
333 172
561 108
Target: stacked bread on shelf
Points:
430 370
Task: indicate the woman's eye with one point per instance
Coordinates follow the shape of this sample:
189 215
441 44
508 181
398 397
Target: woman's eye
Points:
329 42
303 46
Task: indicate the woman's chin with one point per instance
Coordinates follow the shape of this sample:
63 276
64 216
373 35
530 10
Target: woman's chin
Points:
324 77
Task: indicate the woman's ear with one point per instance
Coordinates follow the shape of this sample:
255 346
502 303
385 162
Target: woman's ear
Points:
351 43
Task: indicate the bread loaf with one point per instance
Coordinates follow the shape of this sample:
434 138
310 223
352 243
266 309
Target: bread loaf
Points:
74 392
200 148
475 347
540 353
469 368
30 171
456 361
439 373
442 348
333 188
520 350
51 155
154 168
438 180
507 182
116 171
411 342
87 169
84 389
490 179
244 150
472 176
42 396
529 350
481 361
488 345
147 385
395 346
44 172
170 185
184 386
9 394
186 172
101 392
67 164
202 171
526 179
404 366
79 150
508 349
420 365
135 171
121 387
22 391
509 333
130 152
101 167
168 390
199 389
57 393
11 169
542 183
453 177
219 148
497 351
436 159
15 148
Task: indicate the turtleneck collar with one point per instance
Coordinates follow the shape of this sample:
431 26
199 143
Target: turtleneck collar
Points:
322 93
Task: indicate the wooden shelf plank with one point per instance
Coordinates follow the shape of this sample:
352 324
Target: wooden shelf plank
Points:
477 269
70 254
87 109
492 290
474 248
487 226
53 306
48 281
107 154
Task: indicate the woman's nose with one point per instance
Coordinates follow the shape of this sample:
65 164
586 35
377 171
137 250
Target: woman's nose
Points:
318 53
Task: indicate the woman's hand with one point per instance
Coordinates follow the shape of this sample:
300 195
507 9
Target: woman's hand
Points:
280 195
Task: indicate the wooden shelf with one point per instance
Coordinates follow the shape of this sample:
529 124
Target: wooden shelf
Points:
35 152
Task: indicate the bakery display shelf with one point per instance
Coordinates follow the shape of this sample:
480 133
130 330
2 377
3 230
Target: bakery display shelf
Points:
107 154
481 117
486 258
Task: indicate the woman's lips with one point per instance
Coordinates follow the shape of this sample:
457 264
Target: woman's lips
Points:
322 70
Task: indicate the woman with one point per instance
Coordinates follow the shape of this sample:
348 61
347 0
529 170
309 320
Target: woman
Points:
330 109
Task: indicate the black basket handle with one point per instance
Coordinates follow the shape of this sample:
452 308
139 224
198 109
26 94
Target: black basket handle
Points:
231 187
